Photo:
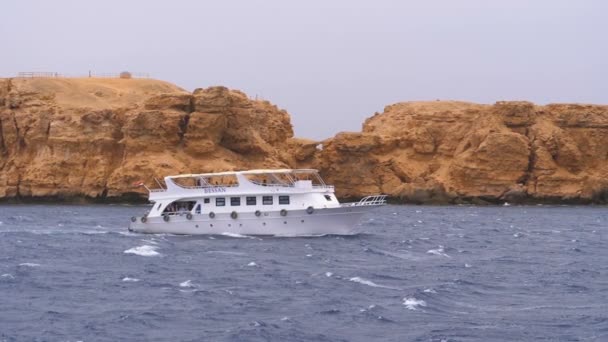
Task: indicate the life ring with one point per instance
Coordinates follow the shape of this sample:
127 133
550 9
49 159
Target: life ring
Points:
189 216
310 210
144 219
234 215
211 214
133 218
166 218
283 212
258 213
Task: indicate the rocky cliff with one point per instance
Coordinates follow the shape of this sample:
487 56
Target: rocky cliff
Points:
92 138
453 152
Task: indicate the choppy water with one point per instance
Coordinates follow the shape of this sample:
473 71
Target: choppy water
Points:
73 273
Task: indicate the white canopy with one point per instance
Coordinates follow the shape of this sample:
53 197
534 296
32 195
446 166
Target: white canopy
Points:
246 172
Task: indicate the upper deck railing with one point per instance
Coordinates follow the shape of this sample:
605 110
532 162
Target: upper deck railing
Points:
368 200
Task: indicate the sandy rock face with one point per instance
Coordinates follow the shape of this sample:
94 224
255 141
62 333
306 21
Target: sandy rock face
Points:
450 152
94 137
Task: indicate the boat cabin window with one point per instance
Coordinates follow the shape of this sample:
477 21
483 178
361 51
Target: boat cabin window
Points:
235 201
198 209
251 200
267 200
158 207
220 202
206 200
283 199
179 207
327 197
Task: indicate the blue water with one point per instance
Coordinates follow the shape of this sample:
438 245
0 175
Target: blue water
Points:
74 273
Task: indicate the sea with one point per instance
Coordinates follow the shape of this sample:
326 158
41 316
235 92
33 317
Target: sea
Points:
414 273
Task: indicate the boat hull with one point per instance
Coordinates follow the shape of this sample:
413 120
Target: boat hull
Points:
338 221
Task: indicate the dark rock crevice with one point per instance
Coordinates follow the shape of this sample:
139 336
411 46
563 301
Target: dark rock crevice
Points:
183 128
3 150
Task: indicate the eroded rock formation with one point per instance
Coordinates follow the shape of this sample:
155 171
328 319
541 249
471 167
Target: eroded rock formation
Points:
93 138
451 152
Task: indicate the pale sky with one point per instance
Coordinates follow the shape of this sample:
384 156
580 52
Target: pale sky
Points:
330 64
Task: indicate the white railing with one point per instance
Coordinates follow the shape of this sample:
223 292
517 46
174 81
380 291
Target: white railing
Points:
368 200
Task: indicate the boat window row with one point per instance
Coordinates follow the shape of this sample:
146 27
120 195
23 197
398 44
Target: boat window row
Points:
249 200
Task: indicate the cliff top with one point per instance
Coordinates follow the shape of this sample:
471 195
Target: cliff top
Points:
93 92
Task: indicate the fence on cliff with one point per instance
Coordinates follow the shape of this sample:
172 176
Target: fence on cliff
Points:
47 74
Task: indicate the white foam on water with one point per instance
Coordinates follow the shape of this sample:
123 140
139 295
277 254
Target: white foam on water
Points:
130 280
506 204
468 265
308 255
328 274
285 319
252 264
439 251
144 250
429 291
7 275
211 238
235 235
412 303
370 283
187 283
29 264
188 291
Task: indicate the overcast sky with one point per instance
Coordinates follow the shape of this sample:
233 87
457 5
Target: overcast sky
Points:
330 64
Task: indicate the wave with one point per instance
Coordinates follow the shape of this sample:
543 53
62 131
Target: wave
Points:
252 264
29 264
130 280
7 275
187 283
412 303
402 256
439 251
370 283
144 250
235 235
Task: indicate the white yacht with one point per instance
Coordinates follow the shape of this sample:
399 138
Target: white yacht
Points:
282 202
